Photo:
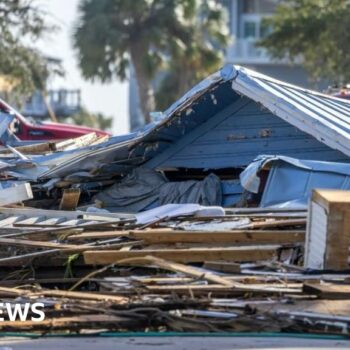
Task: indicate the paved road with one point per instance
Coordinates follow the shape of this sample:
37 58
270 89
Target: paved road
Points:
170 343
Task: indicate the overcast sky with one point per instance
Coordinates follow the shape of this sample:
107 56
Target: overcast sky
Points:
110 99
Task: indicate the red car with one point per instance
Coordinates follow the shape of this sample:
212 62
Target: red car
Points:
26 130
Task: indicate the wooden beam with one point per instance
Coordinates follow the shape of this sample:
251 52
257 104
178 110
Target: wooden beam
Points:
328 290
176 267
15 194
250 253
252 288
238 237
38 244
275 223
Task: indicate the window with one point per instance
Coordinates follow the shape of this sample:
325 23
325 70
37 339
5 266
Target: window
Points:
249 31
259 6
267 6
249 6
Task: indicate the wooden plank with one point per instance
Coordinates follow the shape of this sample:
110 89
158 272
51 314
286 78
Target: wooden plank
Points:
248 253
98 235
328 290
16 194
38 148
265 288
70 199
176 267
238 237
275 223
62 294
338 240
38 244
187 280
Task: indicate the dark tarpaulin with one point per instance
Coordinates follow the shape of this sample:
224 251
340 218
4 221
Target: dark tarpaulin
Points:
143 188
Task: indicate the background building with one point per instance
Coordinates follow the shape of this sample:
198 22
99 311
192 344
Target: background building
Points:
63 103
247 27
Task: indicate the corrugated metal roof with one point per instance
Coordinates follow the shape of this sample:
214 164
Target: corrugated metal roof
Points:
269 117
324 117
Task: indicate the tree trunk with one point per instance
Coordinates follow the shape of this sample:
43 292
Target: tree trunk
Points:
145 90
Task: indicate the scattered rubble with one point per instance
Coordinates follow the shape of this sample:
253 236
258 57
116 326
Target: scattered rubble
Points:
183 226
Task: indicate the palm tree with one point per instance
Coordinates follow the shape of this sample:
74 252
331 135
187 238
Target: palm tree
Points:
111 34
201 55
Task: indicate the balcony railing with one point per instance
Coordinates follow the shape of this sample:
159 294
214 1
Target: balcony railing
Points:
63 102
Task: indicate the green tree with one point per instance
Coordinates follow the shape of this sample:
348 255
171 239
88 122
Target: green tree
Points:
198 56
111 34
21 24
93 120
315 31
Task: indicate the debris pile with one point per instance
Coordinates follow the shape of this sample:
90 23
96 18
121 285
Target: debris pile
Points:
238 272
185 226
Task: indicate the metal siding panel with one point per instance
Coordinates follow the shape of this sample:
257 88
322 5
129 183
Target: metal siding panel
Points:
287 182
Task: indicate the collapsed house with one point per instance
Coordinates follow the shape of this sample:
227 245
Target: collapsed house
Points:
218 128
141 241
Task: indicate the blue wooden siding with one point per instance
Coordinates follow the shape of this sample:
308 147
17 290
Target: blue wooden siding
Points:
234 136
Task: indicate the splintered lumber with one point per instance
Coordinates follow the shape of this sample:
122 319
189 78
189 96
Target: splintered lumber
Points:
15 194
237 236
81 141
247 253
176 267
70 199
4 291
328 230
328 290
